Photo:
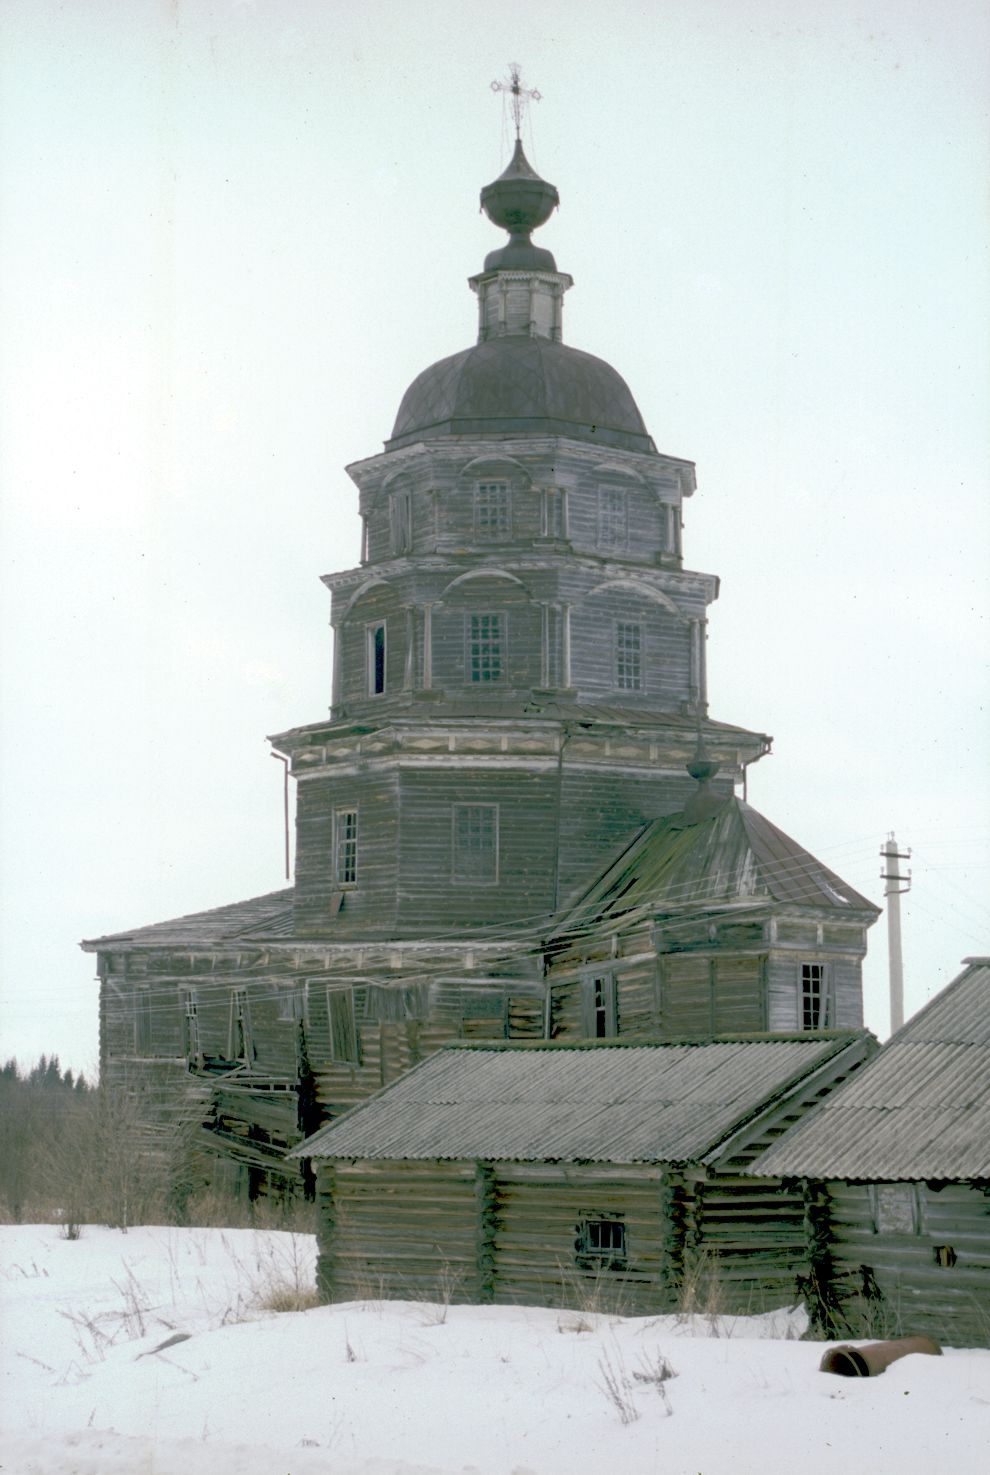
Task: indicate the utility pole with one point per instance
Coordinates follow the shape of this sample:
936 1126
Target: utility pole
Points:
895 888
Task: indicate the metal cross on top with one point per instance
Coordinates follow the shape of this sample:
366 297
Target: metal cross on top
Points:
520 95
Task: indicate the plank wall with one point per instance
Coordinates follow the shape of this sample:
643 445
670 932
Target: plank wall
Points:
912 1293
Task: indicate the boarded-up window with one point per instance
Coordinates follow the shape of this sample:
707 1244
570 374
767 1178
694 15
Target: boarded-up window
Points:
486 647
343 1026
142 1022
895 1208
492 510
815 1010
400 522
685 996
738 995
376 659
475 843
552 513
345 839
628 656
601 1244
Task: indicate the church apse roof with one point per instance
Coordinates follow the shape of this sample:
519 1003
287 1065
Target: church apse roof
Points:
260 916
726 857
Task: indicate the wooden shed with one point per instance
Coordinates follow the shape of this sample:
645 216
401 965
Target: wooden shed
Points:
558 1174
896 1167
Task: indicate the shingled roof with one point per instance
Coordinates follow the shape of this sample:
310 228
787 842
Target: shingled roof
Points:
260 916
731 855
919 1110
583 1103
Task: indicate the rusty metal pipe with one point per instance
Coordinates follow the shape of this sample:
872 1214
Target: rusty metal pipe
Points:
875 1357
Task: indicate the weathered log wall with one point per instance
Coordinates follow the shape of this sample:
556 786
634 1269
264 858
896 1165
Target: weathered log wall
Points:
911 1258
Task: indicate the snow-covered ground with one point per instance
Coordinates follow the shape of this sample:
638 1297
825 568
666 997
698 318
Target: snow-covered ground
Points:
149 1353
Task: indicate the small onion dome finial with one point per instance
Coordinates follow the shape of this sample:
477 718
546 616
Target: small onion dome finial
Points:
519 201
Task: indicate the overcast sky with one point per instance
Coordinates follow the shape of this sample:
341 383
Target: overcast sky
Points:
233 232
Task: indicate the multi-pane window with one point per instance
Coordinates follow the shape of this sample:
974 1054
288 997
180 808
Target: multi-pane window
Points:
190 1023
342 1025
376 659
486 647
345 838
814 996
611 518
491 509
475 848
601 1244
628 656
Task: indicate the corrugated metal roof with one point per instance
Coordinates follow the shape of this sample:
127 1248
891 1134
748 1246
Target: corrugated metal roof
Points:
260 916
622 1103
730 856
919 1109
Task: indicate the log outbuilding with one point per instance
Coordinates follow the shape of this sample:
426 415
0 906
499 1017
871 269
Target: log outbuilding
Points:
562 1175
896 1169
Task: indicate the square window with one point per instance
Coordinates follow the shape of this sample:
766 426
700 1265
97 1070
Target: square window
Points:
345 823
376 659
814 996
485 648
628 656
491 510
476 843
601 1244
611 518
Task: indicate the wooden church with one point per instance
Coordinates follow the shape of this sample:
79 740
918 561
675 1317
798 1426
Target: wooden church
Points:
519 821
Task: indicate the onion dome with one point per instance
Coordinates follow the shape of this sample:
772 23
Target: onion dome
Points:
520 378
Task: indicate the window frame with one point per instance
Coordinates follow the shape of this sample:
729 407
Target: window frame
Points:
608 524
192 1046
485 646
239 1027
345 848
816 1003
591 1249
600 1006
143 1022
374 666
620 656
400 521
459 850
489 497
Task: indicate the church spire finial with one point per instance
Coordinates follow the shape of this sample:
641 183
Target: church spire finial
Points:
518 94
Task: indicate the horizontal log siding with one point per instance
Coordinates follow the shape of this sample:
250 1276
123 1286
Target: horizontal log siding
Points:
664 650
430 897
403 1231
369 906
704 995
751 1245
645 519
917 1295
601 810
536 1218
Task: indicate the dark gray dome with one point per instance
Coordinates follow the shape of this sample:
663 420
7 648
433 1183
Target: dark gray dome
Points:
520 385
